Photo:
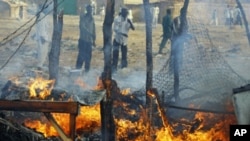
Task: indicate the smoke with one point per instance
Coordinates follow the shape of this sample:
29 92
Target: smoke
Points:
129 78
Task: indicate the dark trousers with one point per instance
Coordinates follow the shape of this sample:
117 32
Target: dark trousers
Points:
163 43
84 55
124 51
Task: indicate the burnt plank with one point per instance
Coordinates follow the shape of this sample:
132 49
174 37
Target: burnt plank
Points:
40 106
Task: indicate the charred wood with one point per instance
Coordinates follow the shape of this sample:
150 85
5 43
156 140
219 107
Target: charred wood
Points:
56 43
10 131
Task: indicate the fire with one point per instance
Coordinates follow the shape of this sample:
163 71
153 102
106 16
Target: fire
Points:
88 119
219 131
209 127
125 91
40 88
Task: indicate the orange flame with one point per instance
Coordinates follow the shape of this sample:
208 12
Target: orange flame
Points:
40 88
213 127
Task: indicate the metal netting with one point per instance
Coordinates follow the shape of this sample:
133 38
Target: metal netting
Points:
204 74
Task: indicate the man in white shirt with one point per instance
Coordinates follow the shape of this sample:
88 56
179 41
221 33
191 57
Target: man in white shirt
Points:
122 25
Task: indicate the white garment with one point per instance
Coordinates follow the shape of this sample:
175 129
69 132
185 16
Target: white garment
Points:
121 28
93 4
155 13
44 31
102 12
130 14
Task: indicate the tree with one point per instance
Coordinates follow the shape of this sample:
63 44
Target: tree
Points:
107 120
177 44
149 60
56 43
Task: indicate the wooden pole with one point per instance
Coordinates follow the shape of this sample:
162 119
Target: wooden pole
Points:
149 60
56 44
106 105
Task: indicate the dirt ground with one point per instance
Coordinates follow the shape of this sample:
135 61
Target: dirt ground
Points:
232 44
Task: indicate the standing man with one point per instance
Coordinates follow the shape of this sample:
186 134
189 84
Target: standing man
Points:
238 15
121 27
155 13
86 40
214 18
229 16
167 29
93 5
44 31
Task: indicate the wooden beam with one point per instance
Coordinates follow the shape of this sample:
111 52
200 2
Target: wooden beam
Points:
47 107
40 106
59 130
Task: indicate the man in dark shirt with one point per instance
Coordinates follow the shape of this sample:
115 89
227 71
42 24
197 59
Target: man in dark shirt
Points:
86 40
167 30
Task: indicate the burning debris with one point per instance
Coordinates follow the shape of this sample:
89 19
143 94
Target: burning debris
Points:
129 112
131 119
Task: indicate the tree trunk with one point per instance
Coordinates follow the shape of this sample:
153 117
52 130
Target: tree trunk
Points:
56 44
149 60
177 45
244 20
107 119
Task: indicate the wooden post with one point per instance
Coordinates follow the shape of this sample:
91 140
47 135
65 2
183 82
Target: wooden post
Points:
56 43
107 120
177 45
149 58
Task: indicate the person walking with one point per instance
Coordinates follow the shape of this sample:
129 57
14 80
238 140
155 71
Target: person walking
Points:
122 25
214 18
44 31
86 40
167 30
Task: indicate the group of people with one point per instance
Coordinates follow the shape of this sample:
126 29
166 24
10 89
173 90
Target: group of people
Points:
233 16
121 26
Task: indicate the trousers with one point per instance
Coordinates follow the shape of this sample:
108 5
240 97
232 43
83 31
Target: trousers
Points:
124 50
84 55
